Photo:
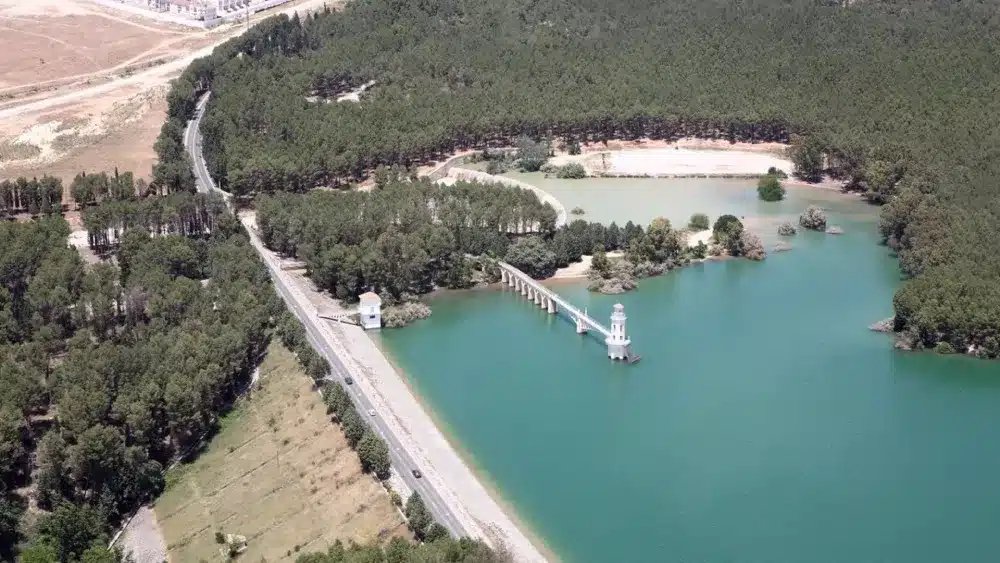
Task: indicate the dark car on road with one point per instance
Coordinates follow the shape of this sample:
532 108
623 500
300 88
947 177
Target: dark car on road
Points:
417 473
348 380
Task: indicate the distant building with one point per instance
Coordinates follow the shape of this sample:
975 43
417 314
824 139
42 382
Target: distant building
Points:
196 9
370 311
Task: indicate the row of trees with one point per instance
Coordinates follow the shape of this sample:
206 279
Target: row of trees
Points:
372 450
44 196
91 189
149 352
183 214
916 134
398 550
32 196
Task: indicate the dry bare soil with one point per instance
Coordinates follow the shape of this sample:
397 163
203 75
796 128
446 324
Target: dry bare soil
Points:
280 473
83 87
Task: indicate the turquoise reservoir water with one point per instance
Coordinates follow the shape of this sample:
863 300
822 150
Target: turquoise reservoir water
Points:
765 423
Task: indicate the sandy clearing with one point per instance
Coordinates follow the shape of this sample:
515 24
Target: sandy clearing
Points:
40 50
676 162
95 134
579 269
692 239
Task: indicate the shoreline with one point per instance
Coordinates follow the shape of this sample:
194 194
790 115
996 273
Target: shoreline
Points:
478 470
646 158
454 483
492 527
457 483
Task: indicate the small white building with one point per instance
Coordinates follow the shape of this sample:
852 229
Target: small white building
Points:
370 310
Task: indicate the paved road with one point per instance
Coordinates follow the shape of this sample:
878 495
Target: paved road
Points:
401 461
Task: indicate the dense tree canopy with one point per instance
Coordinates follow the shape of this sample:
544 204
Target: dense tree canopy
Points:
405 238
109 372
890 97
409 237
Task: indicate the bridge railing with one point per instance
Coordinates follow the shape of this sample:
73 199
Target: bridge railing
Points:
560 301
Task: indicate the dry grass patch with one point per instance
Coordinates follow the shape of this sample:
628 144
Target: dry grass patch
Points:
278 473
13 151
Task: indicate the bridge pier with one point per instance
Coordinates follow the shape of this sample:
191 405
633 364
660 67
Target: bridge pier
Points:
615 337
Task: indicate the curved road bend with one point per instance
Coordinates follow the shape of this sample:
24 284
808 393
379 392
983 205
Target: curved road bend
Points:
402 462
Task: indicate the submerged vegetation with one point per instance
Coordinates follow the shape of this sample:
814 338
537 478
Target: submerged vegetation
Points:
813 218
769 188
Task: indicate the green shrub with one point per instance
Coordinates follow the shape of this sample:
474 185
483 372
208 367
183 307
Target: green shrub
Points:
813 218
769 188
944 348
699 250
727 231
495 167
699 222
531 154
573 171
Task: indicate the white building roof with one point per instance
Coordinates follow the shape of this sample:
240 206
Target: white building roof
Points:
370 298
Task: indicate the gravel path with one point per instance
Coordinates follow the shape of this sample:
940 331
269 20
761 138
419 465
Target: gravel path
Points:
143 538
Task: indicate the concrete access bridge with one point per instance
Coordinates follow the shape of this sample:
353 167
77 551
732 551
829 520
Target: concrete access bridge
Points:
619 346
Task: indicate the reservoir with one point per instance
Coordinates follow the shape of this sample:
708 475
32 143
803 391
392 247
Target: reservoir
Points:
765 422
